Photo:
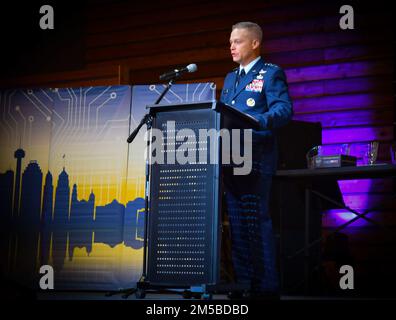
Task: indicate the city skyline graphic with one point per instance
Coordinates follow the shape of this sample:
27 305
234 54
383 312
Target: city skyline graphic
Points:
71 188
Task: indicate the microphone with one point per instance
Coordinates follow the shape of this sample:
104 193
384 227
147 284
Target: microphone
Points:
176 73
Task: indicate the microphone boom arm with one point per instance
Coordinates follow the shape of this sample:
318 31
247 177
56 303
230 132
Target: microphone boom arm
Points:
167 87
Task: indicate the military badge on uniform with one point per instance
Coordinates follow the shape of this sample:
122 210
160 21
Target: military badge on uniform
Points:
262 71
250 102
255 86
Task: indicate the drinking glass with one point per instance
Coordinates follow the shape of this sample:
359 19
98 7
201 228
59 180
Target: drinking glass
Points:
371 153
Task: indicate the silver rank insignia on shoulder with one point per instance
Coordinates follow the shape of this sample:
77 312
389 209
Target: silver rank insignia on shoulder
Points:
271 65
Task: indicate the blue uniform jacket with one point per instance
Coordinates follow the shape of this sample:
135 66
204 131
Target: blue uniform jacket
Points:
263 94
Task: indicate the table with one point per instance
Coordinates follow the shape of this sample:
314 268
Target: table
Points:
308 178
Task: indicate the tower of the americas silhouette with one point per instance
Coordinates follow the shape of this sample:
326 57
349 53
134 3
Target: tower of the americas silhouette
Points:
62 196
47 199
19 155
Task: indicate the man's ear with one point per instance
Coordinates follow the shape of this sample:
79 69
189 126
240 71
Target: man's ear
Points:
255 44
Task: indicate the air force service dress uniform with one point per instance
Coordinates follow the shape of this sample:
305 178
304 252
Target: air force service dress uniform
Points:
263 94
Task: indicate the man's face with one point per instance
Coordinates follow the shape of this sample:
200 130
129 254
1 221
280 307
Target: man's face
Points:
243 46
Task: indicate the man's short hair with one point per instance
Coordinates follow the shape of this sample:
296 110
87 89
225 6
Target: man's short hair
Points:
254 28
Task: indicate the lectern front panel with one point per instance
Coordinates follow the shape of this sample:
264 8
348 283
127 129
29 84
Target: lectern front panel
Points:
183 207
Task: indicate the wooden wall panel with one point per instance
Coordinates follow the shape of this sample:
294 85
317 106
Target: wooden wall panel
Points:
109 75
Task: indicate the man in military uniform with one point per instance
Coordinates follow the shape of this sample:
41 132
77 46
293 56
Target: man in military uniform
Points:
258 89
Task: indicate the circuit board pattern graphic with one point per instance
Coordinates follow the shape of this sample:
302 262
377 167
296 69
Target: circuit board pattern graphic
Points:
79 205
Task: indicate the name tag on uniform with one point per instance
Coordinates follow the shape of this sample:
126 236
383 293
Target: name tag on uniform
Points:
255 86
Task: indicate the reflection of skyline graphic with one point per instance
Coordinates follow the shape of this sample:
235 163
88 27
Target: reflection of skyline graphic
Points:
57 224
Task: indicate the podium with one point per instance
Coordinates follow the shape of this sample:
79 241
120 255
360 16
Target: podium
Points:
185 218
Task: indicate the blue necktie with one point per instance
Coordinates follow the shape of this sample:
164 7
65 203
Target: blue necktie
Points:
240 77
